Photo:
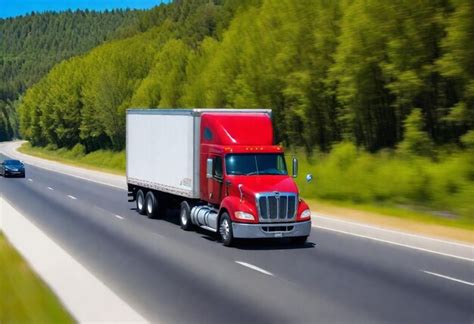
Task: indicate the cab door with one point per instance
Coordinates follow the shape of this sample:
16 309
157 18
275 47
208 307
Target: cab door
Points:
215 183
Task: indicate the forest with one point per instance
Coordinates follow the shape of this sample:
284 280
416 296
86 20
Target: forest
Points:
388 78
330 70
31 45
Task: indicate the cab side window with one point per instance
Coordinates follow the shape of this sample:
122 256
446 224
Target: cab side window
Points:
218 172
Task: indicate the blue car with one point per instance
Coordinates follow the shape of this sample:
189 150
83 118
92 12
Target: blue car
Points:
12 168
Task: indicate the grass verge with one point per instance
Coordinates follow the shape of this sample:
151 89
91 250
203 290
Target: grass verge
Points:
24 298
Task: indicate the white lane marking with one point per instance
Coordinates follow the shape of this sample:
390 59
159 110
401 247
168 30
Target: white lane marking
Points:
119 217
82 178
72 197
30 180
251 266
395 243
317 215
49 188
449 278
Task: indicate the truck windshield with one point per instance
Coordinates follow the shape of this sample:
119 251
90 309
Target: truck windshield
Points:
255 164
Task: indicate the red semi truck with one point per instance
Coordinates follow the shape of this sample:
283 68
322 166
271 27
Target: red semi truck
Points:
220 166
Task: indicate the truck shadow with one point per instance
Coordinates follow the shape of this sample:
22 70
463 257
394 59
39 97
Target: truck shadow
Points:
172 216
271 244
257 244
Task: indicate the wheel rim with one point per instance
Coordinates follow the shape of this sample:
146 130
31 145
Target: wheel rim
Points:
225 229
140 202
184 219
149 205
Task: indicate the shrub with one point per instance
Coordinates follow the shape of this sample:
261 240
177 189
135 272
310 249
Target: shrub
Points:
468 139
78 150
416 141
351 174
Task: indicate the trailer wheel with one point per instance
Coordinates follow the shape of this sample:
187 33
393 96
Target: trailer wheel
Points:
141 202
151 205
225 229
185 216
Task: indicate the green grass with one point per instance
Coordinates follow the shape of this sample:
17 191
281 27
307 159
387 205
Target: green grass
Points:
102 160
23 297
436 191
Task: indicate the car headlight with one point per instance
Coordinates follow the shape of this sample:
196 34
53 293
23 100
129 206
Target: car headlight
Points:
305 214
244 215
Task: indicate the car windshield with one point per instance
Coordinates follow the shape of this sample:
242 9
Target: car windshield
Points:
12 162
255 164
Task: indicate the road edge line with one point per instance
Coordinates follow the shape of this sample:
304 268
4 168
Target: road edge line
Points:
395 243
379 228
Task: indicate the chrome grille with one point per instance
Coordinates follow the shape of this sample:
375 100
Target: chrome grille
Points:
276 206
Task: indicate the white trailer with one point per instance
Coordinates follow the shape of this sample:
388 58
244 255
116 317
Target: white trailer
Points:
163 150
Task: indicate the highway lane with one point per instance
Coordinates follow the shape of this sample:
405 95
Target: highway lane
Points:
170 275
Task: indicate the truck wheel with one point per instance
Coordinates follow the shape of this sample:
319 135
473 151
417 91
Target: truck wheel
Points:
225 229
151 204
185 216
141 202
299 240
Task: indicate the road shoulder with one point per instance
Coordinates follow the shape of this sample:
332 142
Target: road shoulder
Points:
82 294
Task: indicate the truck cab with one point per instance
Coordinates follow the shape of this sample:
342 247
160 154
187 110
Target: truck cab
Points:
245 177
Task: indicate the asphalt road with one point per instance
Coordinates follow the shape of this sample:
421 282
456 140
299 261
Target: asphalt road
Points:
169 275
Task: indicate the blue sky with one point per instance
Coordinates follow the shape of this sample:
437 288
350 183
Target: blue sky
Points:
12 8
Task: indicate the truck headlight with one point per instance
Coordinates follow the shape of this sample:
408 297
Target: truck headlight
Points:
305 214
244 215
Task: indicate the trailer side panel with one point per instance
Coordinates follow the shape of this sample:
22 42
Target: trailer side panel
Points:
161 152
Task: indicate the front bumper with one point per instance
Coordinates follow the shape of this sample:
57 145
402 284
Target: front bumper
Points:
274 230
14 173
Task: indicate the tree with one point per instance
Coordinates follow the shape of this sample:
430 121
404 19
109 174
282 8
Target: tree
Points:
416 141
163 85
457 64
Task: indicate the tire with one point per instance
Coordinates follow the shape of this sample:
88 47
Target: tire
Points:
151 205
140 198
225 230
299 240
185 216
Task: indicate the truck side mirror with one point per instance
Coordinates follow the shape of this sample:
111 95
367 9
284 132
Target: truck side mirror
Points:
295 167
209 168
